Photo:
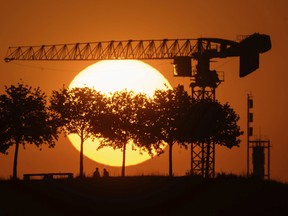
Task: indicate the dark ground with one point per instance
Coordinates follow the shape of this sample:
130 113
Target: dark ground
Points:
144 195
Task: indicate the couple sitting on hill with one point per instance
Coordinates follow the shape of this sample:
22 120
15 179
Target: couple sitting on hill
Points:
96 173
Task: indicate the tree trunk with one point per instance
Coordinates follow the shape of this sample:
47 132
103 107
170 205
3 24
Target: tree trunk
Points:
170 159
124 160
81 157
15 161
191 159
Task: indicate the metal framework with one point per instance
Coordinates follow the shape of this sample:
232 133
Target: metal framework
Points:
107 50
261 165
257 149
203 154
203 80
203 160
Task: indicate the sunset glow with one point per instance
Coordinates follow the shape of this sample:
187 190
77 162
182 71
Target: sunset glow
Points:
110 76
59 39
116 75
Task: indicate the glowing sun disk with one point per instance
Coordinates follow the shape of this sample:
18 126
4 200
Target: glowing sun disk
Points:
110 76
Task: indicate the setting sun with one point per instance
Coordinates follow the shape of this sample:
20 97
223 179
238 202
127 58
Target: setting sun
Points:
116 75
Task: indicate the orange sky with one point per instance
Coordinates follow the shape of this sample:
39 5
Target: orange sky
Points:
35 22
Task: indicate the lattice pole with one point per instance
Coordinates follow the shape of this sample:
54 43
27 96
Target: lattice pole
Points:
203 154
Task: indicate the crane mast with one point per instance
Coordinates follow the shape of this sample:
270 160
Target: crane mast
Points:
204 81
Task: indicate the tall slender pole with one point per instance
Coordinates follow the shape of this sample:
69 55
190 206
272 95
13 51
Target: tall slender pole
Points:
248 131
269 159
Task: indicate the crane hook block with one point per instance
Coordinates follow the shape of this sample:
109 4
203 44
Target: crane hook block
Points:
250 49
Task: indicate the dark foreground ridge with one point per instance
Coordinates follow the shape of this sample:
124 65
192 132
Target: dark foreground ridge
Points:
145 195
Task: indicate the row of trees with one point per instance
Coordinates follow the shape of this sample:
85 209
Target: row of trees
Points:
170 116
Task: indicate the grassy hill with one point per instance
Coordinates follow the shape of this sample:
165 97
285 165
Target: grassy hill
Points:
144 195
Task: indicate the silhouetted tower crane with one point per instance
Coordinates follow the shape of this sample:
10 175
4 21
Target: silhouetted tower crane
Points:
204 81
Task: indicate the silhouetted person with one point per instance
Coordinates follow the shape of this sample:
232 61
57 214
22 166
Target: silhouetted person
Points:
105 173
96 173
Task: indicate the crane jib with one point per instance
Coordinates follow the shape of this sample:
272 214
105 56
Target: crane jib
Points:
199 49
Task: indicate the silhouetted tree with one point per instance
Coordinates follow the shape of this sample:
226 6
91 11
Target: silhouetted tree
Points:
204 119
119 120
75 108
26 118
146 128
170 107
4 146
211 122
4 129
228 131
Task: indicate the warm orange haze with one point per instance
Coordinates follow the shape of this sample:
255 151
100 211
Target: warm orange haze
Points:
36 23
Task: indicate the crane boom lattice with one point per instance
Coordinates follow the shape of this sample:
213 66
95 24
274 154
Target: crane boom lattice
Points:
130 49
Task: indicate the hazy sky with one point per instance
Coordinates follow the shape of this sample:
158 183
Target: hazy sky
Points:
33 22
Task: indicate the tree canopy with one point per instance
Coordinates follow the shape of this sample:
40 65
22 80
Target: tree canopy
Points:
75 108
170 108
150 123
26 119
169 117
5 142
120 124
212 122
